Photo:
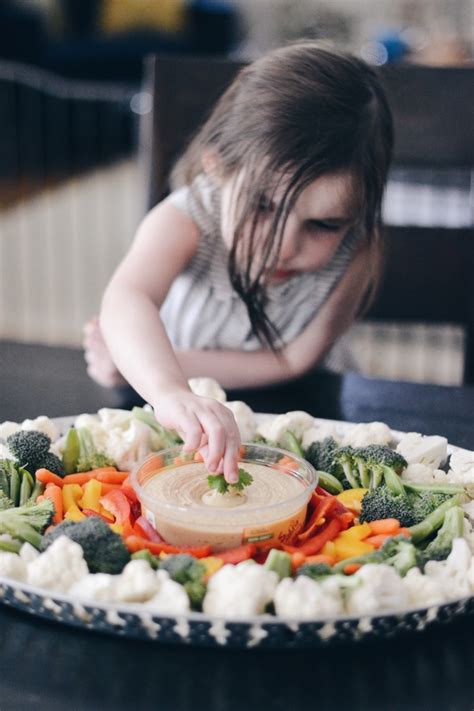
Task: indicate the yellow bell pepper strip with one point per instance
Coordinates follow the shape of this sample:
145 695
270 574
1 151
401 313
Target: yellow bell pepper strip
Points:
92 493
74 513
345 548
352 499
329 549
71 495
116 528
357 533
211 564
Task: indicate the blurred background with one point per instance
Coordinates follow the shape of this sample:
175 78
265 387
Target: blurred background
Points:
72 186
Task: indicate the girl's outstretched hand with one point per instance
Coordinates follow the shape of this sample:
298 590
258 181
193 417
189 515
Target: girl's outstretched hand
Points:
204 424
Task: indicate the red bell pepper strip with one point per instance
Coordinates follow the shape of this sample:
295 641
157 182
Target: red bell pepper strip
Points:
117 503
327 533
136 543
129 491
143 528
237 555
319 516
90 513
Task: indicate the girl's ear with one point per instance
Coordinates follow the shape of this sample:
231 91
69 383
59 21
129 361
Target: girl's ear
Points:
211 164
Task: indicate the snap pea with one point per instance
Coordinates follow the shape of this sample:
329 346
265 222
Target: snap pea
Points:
15 484
71 451
27 484
37 491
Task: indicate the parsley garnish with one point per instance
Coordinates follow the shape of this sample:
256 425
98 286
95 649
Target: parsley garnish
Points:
217 481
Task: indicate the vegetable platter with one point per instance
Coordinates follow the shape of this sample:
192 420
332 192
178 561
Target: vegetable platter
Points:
387 544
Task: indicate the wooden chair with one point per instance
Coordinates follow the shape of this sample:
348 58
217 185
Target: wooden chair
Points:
429 269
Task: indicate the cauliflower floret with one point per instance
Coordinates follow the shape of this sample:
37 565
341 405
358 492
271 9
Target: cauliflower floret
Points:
112 418
126 447
171 598
59 567
319 432
462 470
5 452
307 599
421 589
423 474
296 422
416 448
137 582
452 574
12 566
245 418
377 588
8 428
367 433
28 553
42 424
98 432
96 586
241 590
207 387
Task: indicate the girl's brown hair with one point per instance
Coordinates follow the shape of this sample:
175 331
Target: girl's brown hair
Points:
301 111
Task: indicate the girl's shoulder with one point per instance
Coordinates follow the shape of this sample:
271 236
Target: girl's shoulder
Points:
201 202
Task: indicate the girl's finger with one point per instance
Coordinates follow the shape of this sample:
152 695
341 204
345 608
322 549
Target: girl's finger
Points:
191 432
230 463
216 433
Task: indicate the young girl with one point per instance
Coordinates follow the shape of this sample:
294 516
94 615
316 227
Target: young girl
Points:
264 253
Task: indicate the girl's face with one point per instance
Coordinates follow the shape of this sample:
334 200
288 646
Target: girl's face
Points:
318 222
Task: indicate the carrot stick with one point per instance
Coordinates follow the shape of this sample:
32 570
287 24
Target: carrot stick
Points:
108 487
47 477
111 477
378 540
54 494
327 533
135 543
384 525
297 559
352 568
80 478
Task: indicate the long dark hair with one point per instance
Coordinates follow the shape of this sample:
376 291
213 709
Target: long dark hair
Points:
301 111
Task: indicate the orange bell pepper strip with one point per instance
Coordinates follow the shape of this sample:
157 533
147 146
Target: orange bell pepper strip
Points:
117 503
329 531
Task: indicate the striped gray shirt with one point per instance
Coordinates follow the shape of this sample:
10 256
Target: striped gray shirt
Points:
202 311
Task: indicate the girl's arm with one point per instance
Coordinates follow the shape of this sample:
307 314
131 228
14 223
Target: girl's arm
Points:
130 321
334 318
235 369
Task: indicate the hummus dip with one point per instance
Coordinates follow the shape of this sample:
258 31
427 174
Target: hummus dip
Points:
263 510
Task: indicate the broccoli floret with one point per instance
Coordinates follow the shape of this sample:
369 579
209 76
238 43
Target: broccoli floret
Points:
376 461
381 503
104 551
26 523
408 503
321 455
453 527
29 448
186 570
315 571
89 456
400 553
53 464
151 559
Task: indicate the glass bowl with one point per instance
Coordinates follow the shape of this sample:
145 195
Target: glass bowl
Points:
170 484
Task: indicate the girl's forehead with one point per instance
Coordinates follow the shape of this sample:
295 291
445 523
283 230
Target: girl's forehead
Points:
330 195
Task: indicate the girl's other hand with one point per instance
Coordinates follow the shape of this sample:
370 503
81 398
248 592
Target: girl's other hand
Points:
203 424
100 365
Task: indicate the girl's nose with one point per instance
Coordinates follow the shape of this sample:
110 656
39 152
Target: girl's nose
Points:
289 244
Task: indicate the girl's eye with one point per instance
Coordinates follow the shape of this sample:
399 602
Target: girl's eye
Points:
321 226
265 205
